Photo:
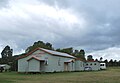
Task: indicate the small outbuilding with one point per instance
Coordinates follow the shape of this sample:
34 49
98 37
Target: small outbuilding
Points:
92 65
102 65
5 67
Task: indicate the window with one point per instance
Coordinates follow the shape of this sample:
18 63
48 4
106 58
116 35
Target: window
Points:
46 61
91 64
95 64
86 64
101 64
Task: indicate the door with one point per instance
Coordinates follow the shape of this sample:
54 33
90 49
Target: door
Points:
66 67
42 66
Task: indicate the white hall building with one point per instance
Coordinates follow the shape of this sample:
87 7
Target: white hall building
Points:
43 60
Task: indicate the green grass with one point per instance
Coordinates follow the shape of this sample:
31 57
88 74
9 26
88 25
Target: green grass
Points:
111 75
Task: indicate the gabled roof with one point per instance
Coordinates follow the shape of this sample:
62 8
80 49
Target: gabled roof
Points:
36 58
57 53
68 61
49 52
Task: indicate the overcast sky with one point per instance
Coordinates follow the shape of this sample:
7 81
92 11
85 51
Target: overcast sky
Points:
92 25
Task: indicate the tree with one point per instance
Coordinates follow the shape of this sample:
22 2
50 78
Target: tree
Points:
101 58
6 55
106 61
58 50
80 54
96 60
115 63
119 63
76 52
7 52
48 46
39 44
66 50
111 62
90 58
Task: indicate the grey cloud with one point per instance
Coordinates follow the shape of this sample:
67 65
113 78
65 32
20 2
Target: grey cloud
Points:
60 3
4 3
102 30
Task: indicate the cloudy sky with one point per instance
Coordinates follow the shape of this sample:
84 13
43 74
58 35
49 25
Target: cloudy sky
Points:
92 25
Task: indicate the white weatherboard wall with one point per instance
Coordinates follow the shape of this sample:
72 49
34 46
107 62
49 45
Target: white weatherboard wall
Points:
93 65
33 65
55 63
23 63
79 65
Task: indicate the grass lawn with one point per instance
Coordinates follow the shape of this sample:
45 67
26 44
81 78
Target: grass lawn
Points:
111 75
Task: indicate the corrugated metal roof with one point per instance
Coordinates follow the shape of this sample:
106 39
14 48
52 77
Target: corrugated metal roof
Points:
57 53
47 51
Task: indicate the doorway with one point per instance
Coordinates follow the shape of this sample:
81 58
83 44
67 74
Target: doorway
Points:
42 66
66 66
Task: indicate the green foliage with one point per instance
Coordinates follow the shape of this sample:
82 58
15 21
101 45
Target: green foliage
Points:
101 58
76 53
80 54
90 58
40 44
96 60
111 62
6 55
66 50
7 52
